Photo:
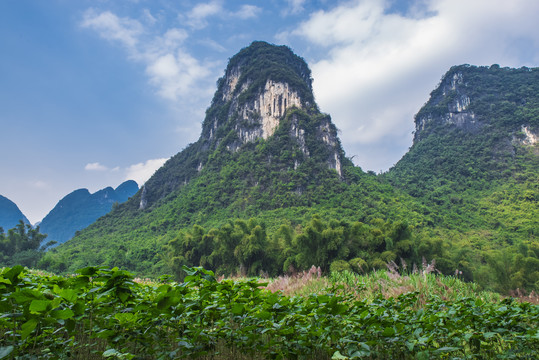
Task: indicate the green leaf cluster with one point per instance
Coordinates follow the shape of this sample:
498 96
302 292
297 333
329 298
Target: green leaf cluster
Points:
103 312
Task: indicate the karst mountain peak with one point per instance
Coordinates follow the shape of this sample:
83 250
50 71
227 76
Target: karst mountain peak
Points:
260 83
265 96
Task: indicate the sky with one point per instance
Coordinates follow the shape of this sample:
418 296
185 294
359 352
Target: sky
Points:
93 93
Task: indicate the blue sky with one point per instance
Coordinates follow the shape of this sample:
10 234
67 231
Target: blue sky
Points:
93 93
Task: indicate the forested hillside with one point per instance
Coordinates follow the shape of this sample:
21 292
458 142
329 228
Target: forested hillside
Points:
475 165
267 188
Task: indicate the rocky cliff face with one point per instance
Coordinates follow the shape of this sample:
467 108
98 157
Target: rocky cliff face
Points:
258 96
483 99
449 105
481 124
528 137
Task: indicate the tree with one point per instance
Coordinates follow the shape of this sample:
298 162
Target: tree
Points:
22 245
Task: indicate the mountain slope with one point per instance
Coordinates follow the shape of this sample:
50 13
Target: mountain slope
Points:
79 209
474 164
477 132
265 151
10 215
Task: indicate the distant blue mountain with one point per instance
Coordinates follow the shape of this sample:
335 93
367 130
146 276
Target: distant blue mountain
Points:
79 209
10 215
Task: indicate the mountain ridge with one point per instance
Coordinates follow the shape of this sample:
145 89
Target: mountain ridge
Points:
80 208
10 214
268 187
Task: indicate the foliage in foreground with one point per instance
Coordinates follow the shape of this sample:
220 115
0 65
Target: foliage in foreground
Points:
103 313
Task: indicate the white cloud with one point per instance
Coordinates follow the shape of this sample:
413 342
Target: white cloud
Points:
171 69
95 167
143 171
378 67
39 184
148 17
212 44
176 75
197 17
247 12
294 7
139 172
113 28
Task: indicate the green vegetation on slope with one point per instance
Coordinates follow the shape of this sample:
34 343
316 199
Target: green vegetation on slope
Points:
477 178
465 194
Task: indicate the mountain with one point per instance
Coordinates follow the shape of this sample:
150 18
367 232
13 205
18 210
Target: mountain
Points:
475 137
265 153
79 209
474 163
10 215
267 188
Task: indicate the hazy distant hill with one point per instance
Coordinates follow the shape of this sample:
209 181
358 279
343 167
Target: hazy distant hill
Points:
10 215
79 209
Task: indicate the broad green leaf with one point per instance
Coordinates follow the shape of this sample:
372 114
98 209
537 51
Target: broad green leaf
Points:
125 318
69 295
89 271
39 305
446 349
388 331
339 309
26 295
79 308
112 352
264 315
338 356
62 314
123 295
185 344
364 314
28 327
13 273
5 351
237 309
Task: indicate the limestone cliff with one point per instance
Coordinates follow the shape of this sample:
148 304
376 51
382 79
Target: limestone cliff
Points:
483 100
449 105
261 84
